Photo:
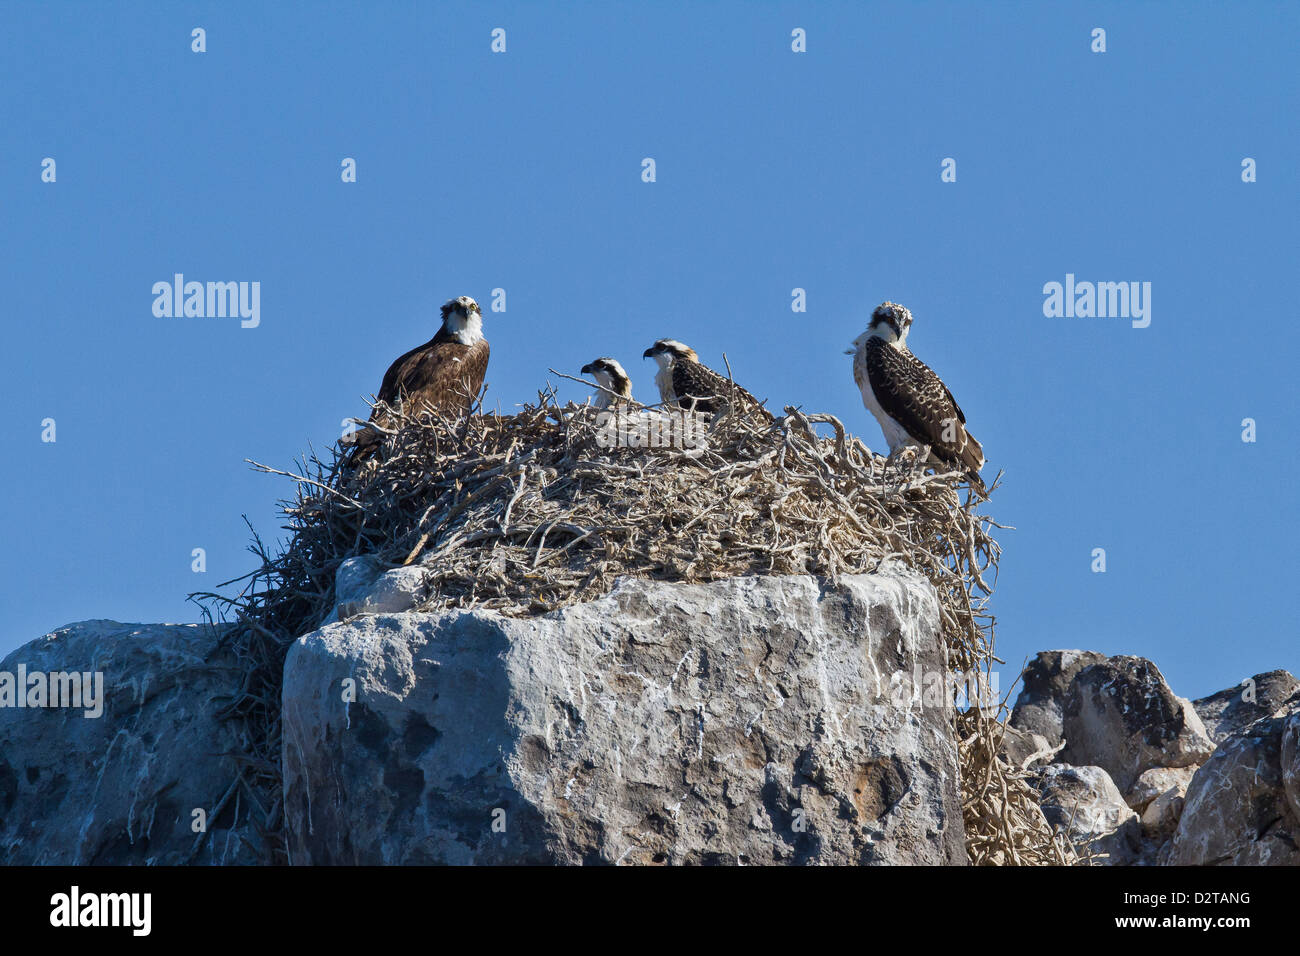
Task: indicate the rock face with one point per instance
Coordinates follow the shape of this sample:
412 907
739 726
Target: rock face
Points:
752 720
1044 682
1237 804
1241 807
756 720
121 787
1022 748
1085 804
1162 814
362 587
1233 710
1290 760
1156 781
1119 714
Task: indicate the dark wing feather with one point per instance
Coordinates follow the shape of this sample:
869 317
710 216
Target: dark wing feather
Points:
961 416
442 376
391 388
911 394
700 388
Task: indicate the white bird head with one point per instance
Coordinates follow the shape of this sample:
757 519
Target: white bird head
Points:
667 351
463 319
609 374
890 321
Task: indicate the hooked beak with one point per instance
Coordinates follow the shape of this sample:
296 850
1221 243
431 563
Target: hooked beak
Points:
649 353
588 368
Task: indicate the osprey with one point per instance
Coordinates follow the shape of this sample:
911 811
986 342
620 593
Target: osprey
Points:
913 406
442 376
683 381
615 386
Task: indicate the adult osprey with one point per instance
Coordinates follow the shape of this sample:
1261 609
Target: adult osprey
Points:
442 376
615 386
912 405
685 382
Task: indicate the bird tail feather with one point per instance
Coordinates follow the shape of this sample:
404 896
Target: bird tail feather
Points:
972 456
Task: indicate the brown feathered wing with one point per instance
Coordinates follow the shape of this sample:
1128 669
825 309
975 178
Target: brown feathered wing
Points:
697 387
441 376
911 394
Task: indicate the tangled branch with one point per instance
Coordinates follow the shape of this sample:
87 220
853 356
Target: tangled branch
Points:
528 513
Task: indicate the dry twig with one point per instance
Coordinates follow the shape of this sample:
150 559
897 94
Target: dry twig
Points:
527 513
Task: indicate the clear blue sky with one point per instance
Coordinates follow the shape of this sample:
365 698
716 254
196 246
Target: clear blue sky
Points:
775 170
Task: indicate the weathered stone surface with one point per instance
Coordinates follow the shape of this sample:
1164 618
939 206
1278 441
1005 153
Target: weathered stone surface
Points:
120 788
397 590
1290 759
1152 783
1238 809
1236 708
1084 803
1019 746
361 586
1120 715
1162 814
355 577
1044 682
752 720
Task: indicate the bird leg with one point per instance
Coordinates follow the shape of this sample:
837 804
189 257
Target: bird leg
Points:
905 456
922 459
890 459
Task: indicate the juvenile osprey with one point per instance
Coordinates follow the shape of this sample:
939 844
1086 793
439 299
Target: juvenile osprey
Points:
683 381
912 405
443 375
609 374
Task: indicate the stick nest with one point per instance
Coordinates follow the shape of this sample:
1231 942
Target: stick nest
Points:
527 513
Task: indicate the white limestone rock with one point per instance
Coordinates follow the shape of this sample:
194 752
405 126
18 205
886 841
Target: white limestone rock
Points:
1240 806
122 787
1120 715
1152 783
751 720
1085 804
